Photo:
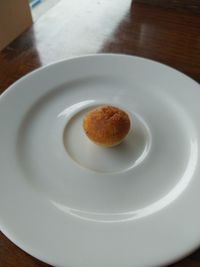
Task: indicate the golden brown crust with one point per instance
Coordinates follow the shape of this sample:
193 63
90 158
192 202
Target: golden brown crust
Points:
106 125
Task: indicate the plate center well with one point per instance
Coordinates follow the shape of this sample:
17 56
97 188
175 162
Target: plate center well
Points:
131 152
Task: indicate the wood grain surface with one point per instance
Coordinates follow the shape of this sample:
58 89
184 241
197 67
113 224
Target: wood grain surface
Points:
187 5
78 27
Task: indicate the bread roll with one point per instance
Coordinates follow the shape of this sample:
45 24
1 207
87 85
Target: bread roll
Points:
106 125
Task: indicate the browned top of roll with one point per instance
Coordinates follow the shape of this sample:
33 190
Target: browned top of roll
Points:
106 125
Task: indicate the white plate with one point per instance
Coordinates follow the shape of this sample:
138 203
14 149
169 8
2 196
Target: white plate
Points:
71 203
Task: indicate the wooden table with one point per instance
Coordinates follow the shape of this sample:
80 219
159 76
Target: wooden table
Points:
71 28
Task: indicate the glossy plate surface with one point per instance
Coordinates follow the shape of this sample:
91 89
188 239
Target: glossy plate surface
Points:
71 203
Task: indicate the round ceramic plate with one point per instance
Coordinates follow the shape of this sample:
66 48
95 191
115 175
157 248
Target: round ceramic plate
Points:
71 203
